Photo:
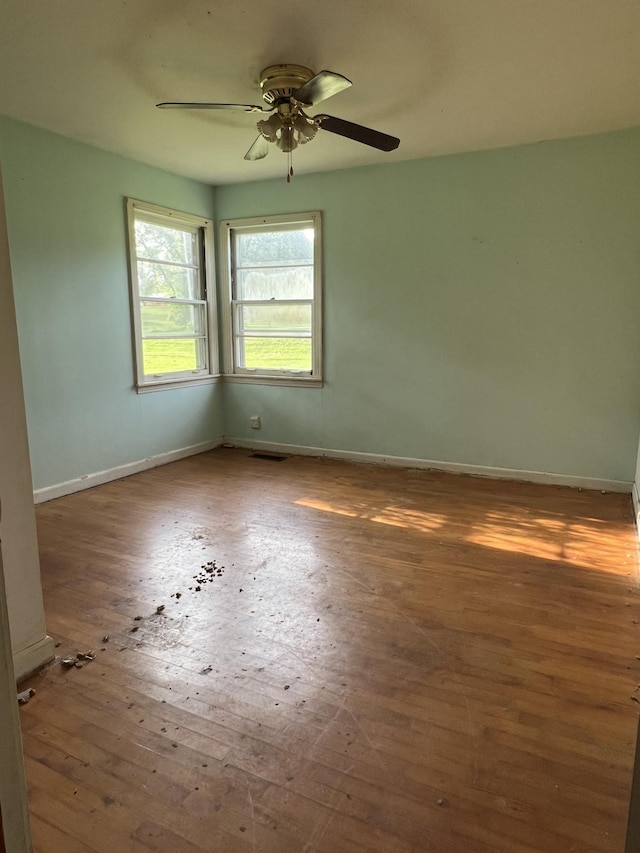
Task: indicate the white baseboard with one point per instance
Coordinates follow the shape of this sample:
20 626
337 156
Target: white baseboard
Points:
100 477
27 661
97 479
431 465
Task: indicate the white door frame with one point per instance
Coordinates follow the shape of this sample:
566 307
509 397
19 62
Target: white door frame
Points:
13 786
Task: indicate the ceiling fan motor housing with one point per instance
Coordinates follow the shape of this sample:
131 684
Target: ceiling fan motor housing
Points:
279 82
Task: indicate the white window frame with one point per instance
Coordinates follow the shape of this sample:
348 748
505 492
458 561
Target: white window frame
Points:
154 213
234 373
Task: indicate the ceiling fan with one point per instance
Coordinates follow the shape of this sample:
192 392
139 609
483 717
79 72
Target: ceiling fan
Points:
288 90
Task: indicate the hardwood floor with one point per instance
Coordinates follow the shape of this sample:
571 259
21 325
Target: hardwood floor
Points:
389 661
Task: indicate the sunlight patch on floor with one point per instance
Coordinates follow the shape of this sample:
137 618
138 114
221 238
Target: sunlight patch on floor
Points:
590 546
425 522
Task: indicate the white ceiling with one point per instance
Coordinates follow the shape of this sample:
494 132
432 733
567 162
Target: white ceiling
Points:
443 75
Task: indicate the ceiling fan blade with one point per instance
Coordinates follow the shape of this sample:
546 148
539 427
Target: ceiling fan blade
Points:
358 133
258 150
177 105
322 86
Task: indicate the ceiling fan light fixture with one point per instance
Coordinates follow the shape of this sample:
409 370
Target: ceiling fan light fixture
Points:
306 128
287 141
288 129
269 127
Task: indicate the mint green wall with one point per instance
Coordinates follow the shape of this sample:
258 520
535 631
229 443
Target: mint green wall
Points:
480 308
67 238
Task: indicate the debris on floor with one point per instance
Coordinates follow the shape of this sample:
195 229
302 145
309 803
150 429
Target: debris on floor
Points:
206 670
442 802
25 695
160 608
208 571
105 639
78 659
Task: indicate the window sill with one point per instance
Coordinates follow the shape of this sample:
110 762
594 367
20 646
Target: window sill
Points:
266 379
165 385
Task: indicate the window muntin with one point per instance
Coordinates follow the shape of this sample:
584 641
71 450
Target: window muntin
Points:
274 322
172 310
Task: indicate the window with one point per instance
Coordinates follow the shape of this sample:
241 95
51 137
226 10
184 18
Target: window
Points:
172 296
273 330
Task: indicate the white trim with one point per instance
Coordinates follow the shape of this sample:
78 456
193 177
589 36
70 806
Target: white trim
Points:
207 379
265 379
165 215
263 223
635 497
228 358
431 465
98 478
27 661
13 786
206 268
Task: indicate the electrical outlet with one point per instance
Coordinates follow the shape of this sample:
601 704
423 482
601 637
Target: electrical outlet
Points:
254 420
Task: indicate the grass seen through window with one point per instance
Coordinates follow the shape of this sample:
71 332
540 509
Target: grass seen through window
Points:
172 356
278 353
167 356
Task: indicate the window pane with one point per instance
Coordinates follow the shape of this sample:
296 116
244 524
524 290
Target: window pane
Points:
279 283
170 318
164 243
293 319
162 280
275 247
275 353
172 356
